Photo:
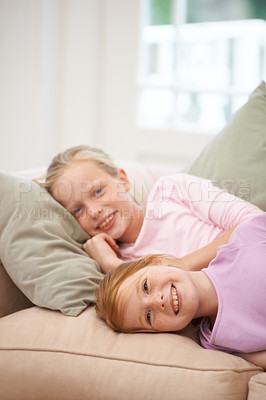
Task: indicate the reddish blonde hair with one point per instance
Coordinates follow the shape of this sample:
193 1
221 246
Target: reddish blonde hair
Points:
106 296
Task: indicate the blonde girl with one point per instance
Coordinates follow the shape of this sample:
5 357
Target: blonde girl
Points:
185 216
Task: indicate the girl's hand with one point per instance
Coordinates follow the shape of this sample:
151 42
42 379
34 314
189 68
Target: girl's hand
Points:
102 249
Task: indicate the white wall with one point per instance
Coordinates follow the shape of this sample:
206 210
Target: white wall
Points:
22 84
79 72
49 66
119 64
68 76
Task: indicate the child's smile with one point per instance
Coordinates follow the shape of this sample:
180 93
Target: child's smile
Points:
107 222
158 298
98 200
175 301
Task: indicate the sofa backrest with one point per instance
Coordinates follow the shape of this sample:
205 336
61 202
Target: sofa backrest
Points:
11 298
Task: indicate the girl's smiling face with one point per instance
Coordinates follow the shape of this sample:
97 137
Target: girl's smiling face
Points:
98 200
157 298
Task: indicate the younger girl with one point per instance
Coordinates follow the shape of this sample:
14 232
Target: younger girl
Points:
182 214
156 294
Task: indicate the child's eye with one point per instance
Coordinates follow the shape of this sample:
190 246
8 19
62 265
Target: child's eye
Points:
76 212
98 192
148 317
145 286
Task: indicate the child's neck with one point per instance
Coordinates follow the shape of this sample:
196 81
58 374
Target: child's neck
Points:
208 300
137 218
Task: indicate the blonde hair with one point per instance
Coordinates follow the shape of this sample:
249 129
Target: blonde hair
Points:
73 154
106 295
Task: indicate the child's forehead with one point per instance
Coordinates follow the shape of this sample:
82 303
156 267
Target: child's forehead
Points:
136 277
83 173
130 283
88 165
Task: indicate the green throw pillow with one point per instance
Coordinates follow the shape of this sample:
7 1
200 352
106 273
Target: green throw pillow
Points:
41 248
236 158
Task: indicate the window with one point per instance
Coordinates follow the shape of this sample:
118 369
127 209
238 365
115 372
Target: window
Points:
199 61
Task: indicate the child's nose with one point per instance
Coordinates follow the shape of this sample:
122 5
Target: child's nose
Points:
158 301
95 211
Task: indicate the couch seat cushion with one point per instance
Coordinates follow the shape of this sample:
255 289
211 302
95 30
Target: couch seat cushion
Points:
47 355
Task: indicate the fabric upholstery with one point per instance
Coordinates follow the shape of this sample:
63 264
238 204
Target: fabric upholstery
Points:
47 355
257 387
11 298
41 248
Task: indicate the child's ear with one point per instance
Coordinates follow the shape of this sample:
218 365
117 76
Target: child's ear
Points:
122 176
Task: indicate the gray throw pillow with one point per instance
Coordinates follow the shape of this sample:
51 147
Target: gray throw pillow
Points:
41 248
236 158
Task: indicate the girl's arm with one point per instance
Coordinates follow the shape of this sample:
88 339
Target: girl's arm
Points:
257 358
201 258
215 206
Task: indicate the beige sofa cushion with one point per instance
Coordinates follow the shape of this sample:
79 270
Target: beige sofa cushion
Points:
257 387
47 355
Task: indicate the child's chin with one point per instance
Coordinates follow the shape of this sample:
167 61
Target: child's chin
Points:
115 236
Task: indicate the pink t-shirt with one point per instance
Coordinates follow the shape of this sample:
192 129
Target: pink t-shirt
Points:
238 274
184 213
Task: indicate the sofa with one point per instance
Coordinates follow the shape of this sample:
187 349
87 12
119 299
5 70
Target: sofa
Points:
52 344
